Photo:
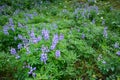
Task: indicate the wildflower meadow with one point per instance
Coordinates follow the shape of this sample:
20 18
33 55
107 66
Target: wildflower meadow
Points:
59 39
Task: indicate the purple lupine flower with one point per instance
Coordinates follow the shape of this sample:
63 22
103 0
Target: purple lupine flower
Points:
116 45
33 74
93 21
13 29
54 41
16 12
13 51
11 22
53 46
31 70
39 38
17 57
2 7
105 32
5 30
20 36
20 25
34 40
34 68
118 53
83 36
45 34
96 9
29 15
43 58
61 37
27 66
25 41
19 46
76 11
32 35
44 49
104 62
57 53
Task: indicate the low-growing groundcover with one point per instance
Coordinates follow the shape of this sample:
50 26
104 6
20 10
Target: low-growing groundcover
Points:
59 40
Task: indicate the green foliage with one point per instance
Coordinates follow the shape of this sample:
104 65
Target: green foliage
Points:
10 68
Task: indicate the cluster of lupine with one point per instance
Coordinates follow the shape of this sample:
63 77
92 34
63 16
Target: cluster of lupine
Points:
33 38
54 41
105 32
8 26
19 46
31 70
45 50
20 25
86 12
57 53
91 0
43 57
118 53
83 36
13 52
45 34
5 29
31 16
116 45
25 43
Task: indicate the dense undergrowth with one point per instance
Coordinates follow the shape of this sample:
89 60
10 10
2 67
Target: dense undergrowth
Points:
59 40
